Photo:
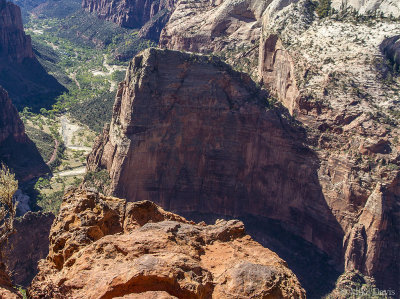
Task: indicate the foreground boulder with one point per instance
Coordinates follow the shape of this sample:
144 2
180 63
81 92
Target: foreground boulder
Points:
104 247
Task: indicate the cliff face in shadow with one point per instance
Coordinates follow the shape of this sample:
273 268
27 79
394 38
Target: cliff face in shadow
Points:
17 151
26 81
337 87
27 246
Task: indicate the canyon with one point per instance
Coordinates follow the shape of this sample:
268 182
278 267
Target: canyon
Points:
24 78
268 112
193 135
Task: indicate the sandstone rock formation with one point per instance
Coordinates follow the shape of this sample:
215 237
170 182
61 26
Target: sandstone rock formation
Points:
214 175
15 45
192 135
104 247
17 151
6 288
184 136
385 7
348 108
28 245
21 74
229 28
133 13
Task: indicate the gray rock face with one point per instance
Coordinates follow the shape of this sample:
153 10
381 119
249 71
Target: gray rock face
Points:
127 13
386 7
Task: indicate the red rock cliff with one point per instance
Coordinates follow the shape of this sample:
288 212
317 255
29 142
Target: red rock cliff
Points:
15 44
24 78
28 245
192 135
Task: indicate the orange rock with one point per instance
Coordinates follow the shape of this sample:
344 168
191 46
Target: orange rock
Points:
146 252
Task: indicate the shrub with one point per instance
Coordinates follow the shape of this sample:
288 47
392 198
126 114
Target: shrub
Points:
8 187
323 8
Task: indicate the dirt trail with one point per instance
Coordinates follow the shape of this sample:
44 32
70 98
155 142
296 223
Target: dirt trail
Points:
71 172
54 155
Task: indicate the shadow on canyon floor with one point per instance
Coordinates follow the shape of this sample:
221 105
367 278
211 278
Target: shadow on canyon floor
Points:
313 267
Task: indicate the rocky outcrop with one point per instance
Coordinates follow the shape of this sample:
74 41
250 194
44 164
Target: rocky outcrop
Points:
340 101
152 29
21 74
17 151
28 245
6 288
385 7
104 247
276 71
129 13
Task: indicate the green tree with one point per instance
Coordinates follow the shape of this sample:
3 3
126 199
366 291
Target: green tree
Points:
323 9
8 187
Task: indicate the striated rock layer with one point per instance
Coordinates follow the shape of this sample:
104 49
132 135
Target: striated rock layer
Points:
384 7
104 247
17 151
332 76
20 73
192 135
336 86
129 13
230 29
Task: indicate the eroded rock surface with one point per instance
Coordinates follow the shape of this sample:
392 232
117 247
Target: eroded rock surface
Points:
192 135
6 288
348 108
229 28
128 13
15 44
187 138
28 245
104 247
